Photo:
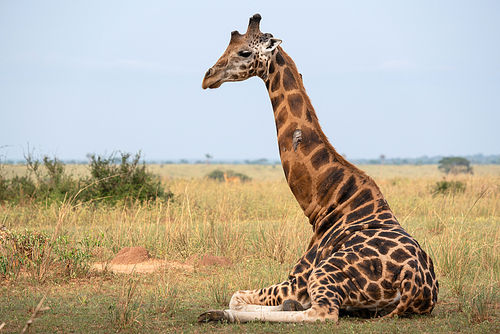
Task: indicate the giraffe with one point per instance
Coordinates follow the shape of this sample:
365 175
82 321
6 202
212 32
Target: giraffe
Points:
359 259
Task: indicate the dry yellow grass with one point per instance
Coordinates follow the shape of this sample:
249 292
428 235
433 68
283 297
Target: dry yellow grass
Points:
260 219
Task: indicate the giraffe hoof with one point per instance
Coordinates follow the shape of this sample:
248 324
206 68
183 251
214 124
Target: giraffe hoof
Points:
292 305
213 315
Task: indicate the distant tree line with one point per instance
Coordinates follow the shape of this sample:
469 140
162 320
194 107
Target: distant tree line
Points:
478 159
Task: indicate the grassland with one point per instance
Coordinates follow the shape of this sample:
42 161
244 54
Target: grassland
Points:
260 227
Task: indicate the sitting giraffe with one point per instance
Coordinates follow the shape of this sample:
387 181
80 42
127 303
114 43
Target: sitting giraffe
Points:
360 259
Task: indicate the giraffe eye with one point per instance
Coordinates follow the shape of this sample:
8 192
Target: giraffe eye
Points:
244 54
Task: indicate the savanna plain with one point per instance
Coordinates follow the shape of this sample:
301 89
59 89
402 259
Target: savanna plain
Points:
257 226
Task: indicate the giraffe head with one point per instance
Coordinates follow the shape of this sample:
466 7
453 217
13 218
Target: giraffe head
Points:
246 56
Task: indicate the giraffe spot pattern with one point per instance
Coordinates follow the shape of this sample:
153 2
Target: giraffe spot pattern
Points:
289 82
276 101
364 197
300 183
295 103
331 178
272 68
281 119
310 140
279 59
320 158
285 139
347 190
360 213
400 255
309 115
286 168
276 84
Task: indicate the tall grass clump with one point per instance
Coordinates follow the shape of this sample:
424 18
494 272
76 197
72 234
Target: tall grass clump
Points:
480 301
127 309
164 298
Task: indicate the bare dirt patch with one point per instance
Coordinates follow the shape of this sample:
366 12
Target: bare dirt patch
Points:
209 260
138 260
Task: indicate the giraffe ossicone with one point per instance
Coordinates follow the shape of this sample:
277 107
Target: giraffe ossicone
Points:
359 259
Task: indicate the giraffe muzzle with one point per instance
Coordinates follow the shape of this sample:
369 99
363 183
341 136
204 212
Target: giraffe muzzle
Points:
209 72
209 81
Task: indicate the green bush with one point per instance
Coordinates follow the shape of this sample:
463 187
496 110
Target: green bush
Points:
76 257
128 180
217 175
447 187
29 250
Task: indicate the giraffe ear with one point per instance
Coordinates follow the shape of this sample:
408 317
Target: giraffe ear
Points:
272 44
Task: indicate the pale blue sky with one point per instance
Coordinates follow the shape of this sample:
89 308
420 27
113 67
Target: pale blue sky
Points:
400 78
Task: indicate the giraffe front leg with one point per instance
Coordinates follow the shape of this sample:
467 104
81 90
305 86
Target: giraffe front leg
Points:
315 313
253 304
285 296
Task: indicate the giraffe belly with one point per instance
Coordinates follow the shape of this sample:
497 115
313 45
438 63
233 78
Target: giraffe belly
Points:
373 305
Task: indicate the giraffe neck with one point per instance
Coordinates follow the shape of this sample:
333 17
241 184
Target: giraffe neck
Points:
321 179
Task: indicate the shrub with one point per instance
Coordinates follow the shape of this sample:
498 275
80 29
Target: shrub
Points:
30 250
217 175
447 187
118 182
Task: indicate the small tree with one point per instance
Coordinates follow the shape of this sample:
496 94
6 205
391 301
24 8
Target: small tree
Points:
208 156
455 165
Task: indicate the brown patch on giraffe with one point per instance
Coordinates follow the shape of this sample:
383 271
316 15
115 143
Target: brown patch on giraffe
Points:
308 115
347 190
296 102
364 197
400 255
279 59
281 118
286 168
360 213
289 82
276 84
311 140
286 137
371 268
277 100
300 183
331 180
320 158
271 68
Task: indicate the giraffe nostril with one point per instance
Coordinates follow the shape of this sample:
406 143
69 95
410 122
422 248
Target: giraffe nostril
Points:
209 72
